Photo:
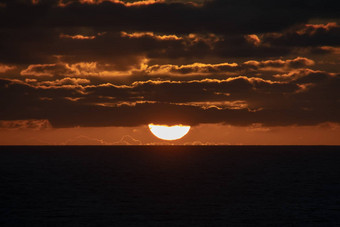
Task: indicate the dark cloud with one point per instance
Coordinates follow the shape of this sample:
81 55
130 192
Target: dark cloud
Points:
123 49
47 70
307 35
94 70
309 98
217 16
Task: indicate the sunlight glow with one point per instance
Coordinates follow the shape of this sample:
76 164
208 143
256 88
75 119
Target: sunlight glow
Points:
165 132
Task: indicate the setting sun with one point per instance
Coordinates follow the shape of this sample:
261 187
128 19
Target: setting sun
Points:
165 132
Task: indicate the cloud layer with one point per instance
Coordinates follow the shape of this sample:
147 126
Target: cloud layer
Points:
303 97
129 63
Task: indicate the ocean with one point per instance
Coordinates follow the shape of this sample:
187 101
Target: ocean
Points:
170 186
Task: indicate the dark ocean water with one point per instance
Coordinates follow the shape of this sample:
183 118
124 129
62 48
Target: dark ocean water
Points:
170 186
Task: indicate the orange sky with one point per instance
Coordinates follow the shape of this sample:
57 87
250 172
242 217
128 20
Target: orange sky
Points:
205 134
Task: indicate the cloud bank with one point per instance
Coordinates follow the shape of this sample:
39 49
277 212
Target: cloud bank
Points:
130 63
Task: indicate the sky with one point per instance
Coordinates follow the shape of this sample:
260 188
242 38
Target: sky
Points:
239 72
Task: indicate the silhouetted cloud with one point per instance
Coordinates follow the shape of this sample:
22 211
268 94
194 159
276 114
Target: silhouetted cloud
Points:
308 97
114 30
26 124
93 69
307 35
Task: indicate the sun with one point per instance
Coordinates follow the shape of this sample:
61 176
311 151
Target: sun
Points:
166 132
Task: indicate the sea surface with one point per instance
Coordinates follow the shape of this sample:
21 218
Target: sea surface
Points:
170 186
